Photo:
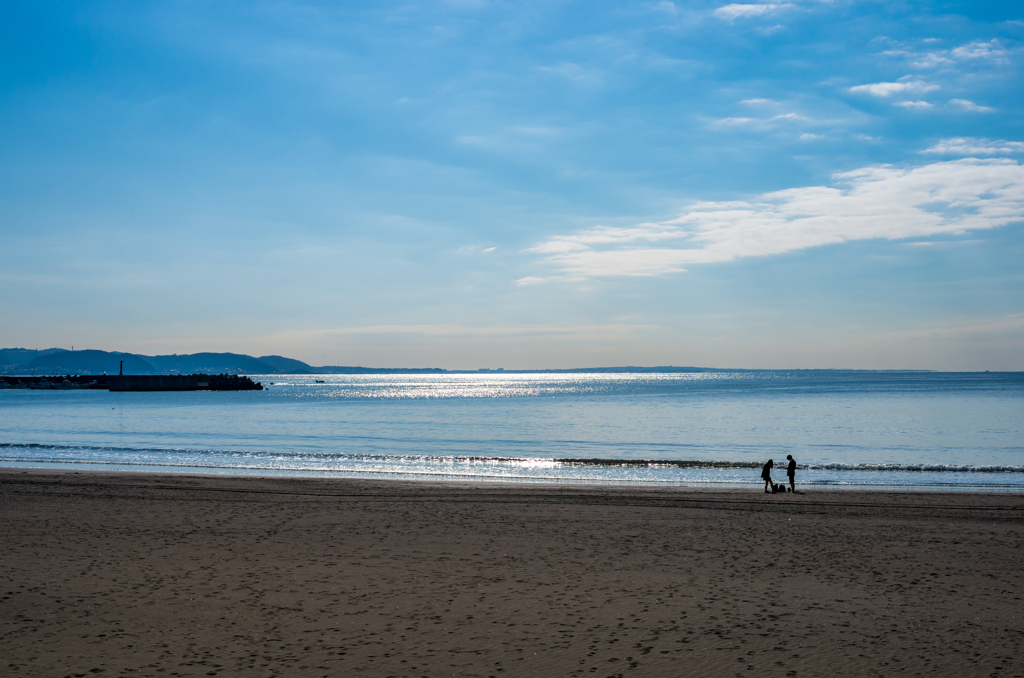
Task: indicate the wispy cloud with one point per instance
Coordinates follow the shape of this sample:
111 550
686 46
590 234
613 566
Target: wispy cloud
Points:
475 249
759 122
741 11
732 122
905 85
991 51
921 105
873 202
974 146
966 105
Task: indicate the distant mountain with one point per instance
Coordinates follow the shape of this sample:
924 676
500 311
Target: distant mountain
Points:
51 360
20 356
284 365
62 361
210 363
87 362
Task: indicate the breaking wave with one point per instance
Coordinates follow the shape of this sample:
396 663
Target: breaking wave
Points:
171 456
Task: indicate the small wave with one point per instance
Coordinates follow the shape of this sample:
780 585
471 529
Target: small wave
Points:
830 466
932 468
478 476
83 451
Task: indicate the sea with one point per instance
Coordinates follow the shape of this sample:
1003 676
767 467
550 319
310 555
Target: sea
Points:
845 429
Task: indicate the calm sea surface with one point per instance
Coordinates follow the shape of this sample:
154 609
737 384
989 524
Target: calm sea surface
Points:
880 429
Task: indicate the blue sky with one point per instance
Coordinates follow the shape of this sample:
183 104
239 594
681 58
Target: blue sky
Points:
484 184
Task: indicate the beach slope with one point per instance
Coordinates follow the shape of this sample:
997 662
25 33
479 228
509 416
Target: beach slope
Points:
159 575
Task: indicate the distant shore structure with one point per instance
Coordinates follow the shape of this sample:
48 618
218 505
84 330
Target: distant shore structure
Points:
136 382
183 382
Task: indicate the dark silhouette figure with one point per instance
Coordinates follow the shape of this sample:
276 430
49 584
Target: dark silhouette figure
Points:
120 369
791 472
766 475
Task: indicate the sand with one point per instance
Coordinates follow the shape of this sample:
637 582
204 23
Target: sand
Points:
158 575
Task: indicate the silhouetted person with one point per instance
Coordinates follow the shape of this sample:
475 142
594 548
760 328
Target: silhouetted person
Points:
766 475
791 472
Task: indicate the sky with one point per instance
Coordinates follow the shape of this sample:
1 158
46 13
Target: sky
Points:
475 184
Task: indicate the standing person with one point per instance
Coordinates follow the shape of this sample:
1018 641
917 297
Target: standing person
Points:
791 472
766 475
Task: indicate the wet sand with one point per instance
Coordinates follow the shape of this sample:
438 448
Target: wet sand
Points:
154 575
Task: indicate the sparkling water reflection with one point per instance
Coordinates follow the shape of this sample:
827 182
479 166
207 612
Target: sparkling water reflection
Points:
877 429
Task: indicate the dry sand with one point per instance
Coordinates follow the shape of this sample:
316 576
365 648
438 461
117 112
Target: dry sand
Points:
149 575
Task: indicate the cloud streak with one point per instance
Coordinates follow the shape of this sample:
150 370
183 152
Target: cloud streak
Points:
880 202
887 89
746 11
991 51
759 122
966 105
974 146
919 105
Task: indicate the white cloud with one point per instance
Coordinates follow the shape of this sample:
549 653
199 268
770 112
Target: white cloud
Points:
906 85
930 60
979 49
992 51
974 146
474 249
970 106
873 202
738 11
810 137
914 104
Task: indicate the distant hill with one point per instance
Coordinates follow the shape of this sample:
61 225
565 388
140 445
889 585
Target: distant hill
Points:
51 360
20 356
210 363
87 362
284 365
62 361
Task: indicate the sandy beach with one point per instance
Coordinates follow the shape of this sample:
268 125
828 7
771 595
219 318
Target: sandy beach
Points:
160 575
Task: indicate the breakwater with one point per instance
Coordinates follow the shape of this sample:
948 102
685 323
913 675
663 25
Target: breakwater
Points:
134 382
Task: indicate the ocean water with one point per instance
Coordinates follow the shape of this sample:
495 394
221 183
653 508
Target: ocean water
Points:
942 431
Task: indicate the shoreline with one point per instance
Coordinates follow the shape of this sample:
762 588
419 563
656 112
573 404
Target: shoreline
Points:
144 469
171 574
